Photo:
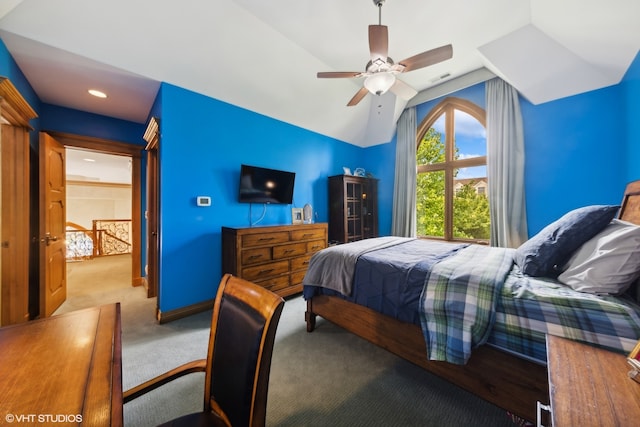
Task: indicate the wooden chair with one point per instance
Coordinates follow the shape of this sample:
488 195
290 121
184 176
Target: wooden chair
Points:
243 329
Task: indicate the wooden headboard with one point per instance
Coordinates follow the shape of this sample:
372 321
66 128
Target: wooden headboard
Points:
630 212
630 207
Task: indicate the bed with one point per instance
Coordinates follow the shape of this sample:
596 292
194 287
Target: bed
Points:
404 295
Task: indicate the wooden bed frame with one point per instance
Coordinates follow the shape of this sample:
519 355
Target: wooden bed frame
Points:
506 380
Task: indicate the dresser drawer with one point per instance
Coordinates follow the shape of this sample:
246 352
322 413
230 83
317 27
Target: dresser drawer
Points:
316 245
314 233
300 263
253 256
296 278
286 251
264 271
276 283
261 239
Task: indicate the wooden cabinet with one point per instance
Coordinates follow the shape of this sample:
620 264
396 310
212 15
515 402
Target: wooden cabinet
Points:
353 208
590 386
275 257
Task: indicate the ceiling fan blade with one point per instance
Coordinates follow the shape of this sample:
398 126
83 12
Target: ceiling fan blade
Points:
403 90
427 58
338 74
379 42
358 97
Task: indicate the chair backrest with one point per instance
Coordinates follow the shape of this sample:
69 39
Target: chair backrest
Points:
243 329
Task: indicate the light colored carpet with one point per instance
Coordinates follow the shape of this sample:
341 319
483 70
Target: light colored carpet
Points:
326 378
101 280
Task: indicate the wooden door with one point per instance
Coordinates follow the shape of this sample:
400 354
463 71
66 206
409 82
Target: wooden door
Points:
118 148
153 140
53 270
15 225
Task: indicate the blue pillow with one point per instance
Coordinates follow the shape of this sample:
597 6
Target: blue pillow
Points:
546 252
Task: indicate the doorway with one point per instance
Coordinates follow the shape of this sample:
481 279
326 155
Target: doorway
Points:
85 153
98 223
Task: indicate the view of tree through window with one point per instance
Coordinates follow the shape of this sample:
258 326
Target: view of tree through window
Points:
451 192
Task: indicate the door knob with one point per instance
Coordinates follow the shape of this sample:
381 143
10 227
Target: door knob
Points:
48 238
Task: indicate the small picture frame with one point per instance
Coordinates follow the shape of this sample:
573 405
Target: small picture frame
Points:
297 216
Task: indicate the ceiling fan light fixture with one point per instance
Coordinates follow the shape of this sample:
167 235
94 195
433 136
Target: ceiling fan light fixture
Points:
379 83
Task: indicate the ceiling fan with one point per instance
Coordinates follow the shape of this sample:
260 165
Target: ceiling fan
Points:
380 72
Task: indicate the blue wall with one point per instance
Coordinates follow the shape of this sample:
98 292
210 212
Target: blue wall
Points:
631 119
9 69
204 141
575 154
67 120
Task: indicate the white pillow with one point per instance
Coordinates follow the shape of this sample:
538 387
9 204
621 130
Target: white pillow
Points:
607 263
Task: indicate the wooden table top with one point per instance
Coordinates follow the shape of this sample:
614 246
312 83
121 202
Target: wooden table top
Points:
589 386
64 369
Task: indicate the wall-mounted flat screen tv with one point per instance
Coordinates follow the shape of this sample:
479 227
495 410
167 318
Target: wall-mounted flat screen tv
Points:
262 185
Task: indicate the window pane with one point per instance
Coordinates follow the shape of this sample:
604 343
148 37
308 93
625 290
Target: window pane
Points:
430 204
431 148
470 136
471 204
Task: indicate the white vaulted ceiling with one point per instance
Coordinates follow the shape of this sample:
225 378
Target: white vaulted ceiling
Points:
264 55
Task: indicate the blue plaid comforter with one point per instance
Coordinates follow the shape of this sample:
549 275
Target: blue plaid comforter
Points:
458 302
427 282
531 307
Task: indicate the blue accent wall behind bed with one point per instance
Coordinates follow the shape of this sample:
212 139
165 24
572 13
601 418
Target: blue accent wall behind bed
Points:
631 99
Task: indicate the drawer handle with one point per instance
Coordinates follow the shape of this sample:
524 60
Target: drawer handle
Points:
265 271
306 235
316 247
262 239
305 262
288 251
255 256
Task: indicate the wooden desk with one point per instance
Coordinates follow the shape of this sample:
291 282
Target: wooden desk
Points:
589 386
64 370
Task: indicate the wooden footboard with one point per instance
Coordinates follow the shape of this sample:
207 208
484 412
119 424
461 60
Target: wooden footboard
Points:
505 380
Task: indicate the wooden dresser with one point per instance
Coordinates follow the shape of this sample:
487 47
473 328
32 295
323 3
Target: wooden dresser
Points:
589 386
275 257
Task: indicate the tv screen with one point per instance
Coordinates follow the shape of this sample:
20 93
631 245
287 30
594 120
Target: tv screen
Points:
262 185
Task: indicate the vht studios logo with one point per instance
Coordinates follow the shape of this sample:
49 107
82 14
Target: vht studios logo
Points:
43 418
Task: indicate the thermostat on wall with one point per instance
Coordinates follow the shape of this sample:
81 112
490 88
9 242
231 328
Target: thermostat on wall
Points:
203 201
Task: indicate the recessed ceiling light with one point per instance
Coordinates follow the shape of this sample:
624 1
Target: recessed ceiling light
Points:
86 159
97 93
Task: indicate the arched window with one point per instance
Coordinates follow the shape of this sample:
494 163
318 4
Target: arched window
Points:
451 189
